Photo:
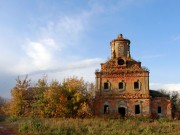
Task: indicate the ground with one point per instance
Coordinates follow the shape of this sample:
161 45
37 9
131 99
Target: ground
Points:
8 128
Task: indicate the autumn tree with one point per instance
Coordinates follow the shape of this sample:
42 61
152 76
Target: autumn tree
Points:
52 96
2 103
40 101
20 97
5 107
87 108
75 91
72 98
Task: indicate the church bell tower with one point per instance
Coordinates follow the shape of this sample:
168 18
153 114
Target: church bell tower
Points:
120 47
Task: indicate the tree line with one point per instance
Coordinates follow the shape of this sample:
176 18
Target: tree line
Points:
71 98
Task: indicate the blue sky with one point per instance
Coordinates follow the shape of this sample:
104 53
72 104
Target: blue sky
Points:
61 38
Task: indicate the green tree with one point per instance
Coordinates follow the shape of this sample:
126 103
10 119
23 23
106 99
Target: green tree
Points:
90 100
40 101
75 91
174 103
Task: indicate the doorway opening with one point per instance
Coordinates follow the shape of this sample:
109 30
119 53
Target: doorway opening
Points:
122 111
137 109
106 109
159 109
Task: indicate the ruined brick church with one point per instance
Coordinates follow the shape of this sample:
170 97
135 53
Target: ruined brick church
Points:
122 86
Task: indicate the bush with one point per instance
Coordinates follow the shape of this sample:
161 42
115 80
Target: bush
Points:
11 118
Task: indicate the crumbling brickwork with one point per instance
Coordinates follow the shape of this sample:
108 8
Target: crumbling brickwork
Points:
161 106
122 86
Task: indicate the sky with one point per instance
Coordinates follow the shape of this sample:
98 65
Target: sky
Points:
62 38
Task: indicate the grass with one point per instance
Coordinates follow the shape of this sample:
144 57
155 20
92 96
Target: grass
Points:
97 126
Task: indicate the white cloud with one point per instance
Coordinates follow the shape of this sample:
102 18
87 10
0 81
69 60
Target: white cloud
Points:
38 56
85 63
40 53
68 29
87 73
83 68
47 52
77 65
45 48
170 86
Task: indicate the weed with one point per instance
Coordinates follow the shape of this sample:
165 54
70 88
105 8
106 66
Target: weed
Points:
98 126
11 119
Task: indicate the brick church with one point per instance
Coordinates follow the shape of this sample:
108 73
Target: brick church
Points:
122 86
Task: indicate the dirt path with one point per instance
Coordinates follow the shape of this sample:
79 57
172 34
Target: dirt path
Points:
7 129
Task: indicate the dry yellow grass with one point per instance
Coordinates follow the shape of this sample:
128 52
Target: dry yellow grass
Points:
97 126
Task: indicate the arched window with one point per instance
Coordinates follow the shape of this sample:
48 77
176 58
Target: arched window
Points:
137 85
106 85
121 85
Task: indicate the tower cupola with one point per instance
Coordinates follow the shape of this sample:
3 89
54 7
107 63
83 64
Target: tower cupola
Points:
120 47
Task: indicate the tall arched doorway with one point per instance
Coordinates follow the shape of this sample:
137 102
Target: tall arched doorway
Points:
122 111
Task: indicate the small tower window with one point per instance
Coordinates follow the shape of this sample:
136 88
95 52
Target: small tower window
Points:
137 109
159 109
120 62
106 85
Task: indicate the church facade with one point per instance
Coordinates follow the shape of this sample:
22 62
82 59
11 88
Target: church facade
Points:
122 86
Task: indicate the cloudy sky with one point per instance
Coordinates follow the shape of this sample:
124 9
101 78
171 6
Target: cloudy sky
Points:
61 38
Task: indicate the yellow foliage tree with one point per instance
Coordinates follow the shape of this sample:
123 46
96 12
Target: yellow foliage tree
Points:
20 97
52 96
72 98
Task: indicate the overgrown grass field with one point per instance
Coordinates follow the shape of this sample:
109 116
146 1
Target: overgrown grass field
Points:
97 126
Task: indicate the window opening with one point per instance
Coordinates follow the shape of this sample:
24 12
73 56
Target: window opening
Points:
121 85
159 109
106 109
137 109
106 86
136 85
122 111
120 62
